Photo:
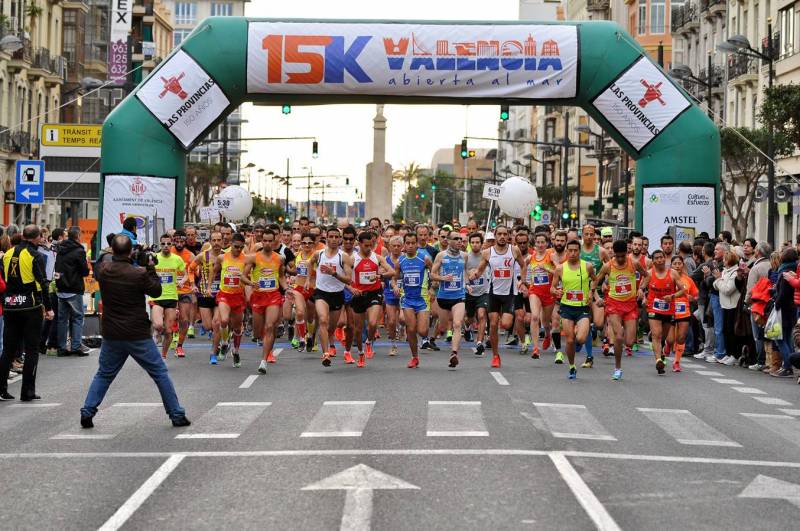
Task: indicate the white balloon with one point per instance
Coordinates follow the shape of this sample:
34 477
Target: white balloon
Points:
241 202
517 197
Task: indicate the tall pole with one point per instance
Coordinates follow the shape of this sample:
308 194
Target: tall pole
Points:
565 171
464 209
308 196
627 187
225 149
578 198
601 173
287 189
709 84
433 204
772 212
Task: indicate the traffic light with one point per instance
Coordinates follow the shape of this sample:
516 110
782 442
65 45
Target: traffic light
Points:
565 215
471 153
347 181
286 108
422 195
464 150
416 196
504 112
573 215
433 187
315 149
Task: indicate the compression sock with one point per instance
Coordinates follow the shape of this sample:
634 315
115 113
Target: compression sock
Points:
301 328
237 340
588 347
556 339
225 334
679 352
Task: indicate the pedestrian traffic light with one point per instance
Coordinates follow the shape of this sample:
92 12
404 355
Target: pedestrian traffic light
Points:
504 112
286 109
471 153
536 214
315 149
464 150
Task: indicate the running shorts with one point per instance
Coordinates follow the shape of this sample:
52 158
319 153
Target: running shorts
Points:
389 298
663 317
521 302
473 303
167 304
447 304
418 305
543 292
628 310
186 298
261 300
206 302
501 303
360 303
235 301
334 299
306 293
575 313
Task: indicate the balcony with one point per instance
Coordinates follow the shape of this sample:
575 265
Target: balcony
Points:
40 65
15 142
716 79
713 8
22 58
742 69
598 5
685 19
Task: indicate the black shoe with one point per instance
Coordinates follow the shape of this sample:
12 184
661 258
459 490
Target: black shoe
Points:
660 367
86 422
433 346
29 398
468 335
512 341
181 422
63 353
82 351
453 360
426 344
5 396
479 349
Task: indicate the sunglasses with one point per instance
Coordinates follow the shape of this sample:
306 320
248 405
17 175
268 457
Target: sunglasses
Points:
307 243
348 239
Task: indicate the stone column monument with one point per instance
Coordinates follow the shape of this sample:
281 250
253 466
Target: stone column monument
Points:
379 173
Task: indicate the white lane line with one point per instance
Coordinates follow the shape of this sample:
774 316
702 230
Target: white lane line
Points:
243 404
583 494
454 403
340 418
130 506
765 416
728 381
772 401
793 412
499 378
749 390
709 373
136 404
113 420
455 419
572 421
786 426
685 428
208 436
81 436
248 381
35 405
226 420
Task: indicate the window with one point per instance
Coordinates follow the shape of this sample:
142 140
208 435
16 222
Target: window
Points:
642 29
221 9
185 12
178 35
658 14
786 21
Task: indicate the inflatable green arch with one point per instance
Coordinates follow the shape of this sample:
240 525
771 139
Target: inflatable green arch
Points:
595 65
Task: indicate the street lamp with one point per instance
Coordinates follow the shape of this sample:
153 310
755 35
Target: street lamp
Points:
11 43
684 73
740 45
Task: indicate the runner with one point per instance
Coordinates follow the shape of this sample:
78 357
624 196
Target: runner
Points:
346 324
330 271
500 259
663 287
428 294
558 256
476 300
539 279
410 270
592 251
208 286
572 284
620 302
300 296
169 268
391 301
522 307
186 301
683 312
367 288
265 272
231 303
448 271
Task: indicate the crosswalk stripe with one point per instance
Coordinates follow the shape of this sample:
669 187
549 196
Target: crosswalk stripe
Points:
709 373
340 418
793 412
684 427
749 390
35 405
572 421
499 378
248 381
786 426
112 421
770 401
728 381
226 420
455 419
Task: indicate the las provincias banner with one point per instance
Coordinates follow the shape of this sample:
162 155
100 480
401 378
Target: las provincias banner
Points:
458 61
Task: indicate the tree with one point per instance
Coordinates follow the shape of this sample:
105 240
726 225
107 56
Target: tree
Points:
200 178
409 174
416 208
267 210
781 109
745 165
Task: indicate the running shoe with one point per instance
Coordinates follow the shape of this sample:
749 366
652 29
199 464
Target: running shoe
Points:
310 344
676 366
479 348
190 332
468 335
393 350
348 359
280 331
326 360
332 351
174 343
212 360
523 349
512 341
453 361
368 350
573 373
660 367
301 345
339 334
636 347
271 358
588 364
535 354
449 336
259 342
432 345
628 351
495 362
426 344
223 351
546 342
179 353
700 355
360 362
606 349
617 375
528 340
414 363
262 367
295 343
237 361
559 357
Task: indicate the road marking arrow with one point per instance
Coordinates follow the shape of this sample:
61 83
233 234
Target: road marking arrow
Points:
359 482
27 193
772 488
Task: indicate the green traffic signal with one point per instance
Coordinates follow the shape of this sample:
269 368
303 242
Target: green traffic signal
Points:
286 109
433 187
565 215
537 216
422 195
464 150
504 112
537 208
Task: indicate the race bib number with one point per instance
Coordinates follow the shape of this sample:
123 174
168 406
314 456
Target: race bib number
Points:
502 272
541 278
575 295
302 270
166 278
266 283
660 305
623 287
681 308
477 282
411 280
366 277
452 285
215 286
231 282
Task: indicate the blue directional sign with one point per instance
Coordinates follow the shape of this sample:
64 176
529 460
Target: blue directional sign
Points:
30 182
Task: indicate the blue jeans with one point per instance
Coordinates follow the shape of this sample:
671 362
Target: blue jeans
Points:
113 355
758 337
70 314
786 347
719 318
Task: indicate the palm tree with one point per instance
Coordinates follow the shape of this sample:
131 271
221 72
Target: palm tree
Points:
410 173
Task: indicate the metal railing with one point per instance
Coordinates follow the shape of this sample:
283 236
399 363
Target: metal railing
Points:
598 5
15 141
706 4
739 65
683 15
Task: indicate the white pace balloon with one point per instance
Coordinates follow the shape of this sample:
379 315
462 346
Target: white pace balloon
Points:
517 197
241 203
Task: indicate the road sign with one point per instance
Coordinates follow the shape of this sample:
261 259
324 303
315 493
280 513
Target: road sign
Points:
71 135
547 217
491 191
30 181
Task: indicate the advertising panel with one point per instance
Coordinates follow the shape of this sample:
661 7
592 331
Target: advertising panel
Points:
641 103
458 61
150 200
121 20
683 207
183 97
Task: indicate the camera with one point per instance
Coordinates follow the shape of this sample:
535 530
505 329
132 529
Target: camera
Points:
144 256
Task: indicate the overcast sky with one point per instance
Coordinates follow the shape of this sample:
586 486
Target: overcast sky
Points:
414 132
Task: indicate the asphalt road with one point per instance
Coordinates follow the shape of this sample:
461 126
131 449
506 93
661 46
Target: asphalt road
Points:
386 447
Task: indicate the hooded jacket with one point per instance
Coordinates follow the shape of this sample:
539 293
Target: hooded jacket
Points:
71 267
